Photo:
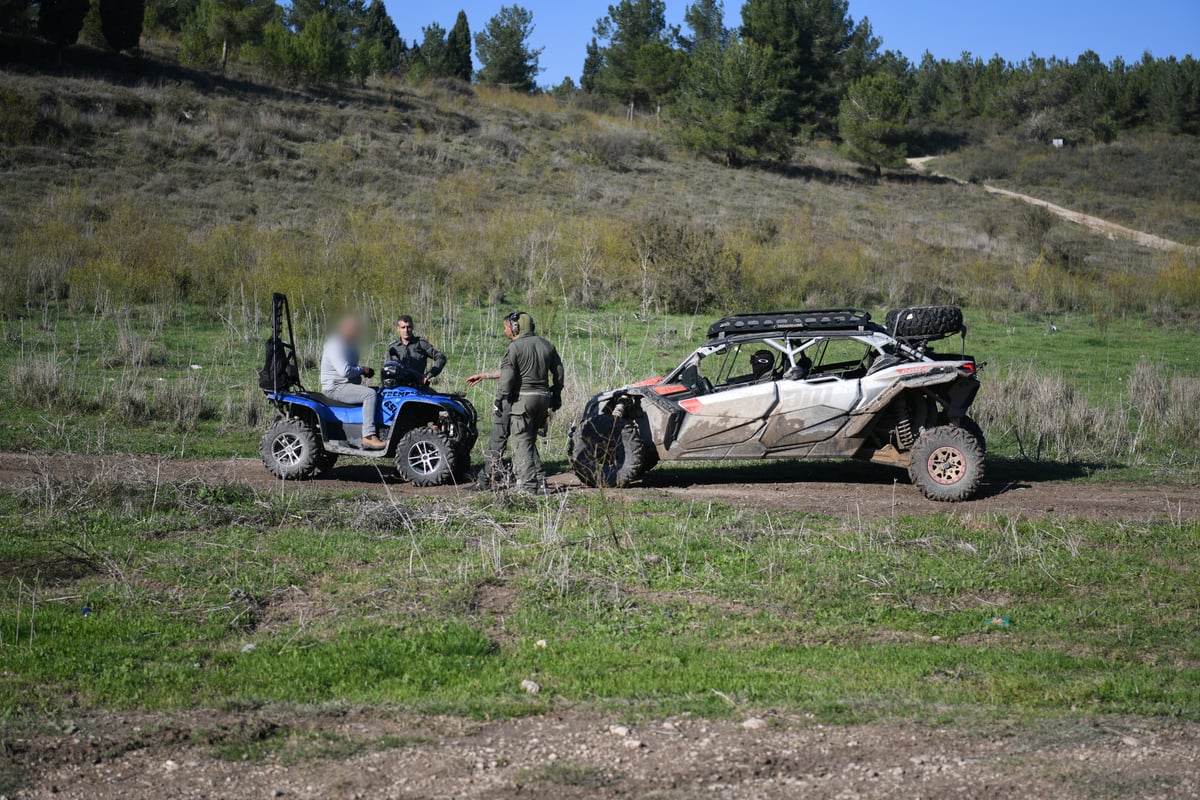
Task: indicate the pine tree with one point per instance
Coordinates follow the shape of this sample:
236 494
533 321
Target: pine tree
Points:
818 50
592 63
226 25
169 15
503 49
121 23
61 20
640 63
379 29
706 20
17 17
320 51
458 49
347 15
429 57
872 122
728 103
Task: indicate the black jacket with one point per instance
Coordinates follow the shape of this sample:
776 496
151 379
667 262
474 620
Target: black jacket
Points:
416 355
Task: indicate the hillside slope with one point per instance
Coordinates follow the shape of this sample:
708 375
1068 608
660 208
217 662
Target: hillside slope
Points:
192 188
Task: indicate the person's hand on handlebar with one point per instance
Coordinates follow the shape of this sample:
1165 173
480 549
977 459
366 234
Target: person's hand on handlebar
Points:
367 372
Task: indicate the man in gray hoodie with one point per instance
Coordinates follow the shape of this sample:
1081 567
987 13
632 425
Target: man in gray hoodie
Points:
341 377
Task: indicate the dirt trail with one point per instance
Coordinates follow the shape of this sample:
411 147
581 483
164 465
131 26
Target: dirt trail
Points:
1095 224
850 491
567 754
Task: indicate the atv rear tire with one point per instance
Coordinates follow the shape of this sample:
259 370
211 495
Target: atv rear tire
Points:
425 457
325 462
608 451
947 464
924 322
291 450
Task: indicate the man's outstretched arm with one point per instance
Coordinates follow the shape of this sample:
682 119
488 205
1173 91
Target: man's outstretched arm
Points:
480 377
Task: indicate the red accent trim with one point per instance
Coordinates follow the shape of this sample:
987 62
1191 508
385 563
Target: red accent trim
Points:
672 389
648 382
691 405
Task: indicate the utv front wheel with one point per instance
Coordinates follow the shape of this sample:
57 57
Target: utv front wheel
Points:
608 451
947 464
425 457
290 450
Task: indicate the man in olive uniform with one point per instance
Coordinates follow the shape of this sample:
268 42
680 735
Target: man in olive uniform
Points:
531 382
414 354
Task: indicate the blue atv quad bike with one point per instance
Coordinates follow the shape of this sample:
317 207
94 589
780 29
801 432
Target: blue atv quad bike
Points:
429 434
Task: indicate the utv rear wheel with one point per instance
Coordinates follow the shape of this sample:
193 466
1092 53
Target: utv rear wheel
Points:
290 450
608 451
972 427
947 464
425 457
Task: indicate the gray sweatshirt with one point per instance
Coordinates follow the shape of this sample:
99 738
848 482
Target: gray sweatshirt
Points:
339 364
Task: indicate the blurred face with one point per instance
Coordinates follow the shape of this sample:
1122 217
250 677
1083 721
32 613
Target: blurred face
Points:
405 329
350 329
508 331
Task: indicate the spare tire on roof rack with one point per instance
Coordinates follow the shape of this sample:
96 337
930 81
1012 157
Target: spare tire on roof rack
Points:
833 319
925 322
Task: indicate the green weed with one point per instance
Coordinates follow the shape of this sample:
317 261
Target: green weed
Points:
846 621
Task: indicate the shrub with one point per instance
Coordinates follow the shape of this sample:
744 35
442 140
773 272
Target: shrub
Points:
1046 416
1036 223
619 148
684 268
40 383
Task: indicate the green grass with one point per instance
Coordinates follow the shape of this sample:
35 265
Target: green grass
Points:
143 396
652 607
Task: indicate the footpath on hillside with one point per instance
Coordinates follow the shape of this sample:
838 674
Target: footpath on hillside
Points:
1094 224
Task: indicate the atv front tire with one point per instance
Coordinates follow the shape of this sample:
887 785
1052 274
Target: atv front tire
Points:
290 450
425 457
947 464
924 322
608 451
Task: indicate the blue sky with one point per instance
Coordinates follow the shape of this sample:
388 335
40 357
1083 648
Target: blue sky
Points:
1012 28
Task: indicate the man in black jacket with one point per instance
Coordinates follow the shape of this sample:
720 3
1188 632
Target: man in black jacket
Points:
414 354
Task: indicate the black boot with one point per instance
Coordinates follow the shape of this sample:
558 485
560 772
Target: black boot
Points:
483 481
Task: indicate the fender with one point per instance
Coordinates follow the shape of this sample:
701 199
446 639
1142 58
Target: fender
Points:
324 413
330 419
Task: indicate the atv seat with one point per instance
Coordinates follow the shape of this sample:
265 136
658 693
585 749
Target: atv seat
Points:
329 401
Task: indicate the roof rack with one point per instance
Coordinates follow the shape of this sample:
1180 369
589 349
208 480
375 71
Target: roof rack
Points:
829 319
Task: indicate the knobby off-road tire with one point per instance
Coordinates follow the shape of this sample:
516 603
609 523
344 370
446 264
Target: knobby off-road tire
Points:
972 427
462 464
924 322
325 462
291 450
608 451
947 464
425 457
